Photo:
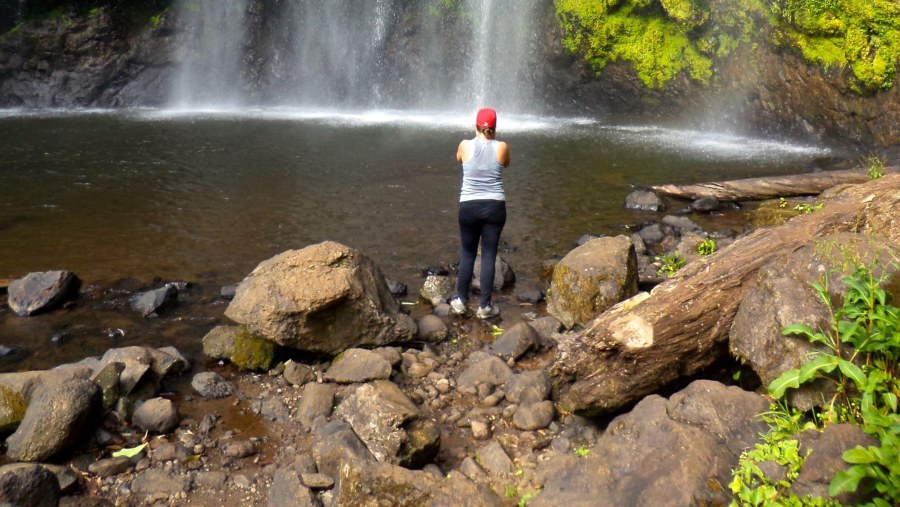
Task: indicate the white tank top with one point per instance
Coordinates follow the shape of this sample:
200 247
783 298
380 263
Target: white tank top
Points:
482 174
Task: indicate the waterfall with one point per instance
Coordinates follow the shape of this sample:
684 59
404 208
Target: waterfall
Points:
359 55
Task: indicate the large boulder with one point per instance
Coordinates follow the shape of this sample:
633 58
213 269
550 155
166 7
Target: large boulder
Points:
592 278
705 427
374 484
324 298
28 485
58 419
781 295
42 291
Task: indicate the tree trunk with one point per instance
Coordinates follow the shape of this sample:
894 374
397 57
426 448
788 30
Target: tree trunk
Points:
764 188
632 350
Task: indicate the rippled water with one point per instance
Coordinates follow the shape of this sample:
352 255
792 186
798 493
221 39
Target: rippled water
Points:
208 195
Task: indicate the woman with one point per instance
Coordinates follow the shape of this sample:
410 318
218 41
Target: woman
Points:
482 210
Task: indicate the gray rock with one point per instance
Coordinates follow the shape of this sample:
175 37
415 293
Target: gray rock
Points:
358 365
706 204
324 298
432 329
138 362
110 466
492 371
530 296
228 292
153 302
493 459
157 415
584 238
213 480
66 477
377 413
385 484
390 354
12 409
317 480
652 234
470 469
31 383
107 378
423 441
297 374
219 342
273 408
153 481
210 384
824 461
644 200
438 288
42 291
398 289
534 416
338 444
317 401
238 449
27 485
516 341
288 490
681 223
503 274
60 418
592 278
168 451
545 327
709 423
528 387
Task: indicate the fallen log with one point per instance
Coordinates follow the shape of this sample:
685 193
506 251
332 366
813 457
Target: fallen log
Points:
752 189
635 348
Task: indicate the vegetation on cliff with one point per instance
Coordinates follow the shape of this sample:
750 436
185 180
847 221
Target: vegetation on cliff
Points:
663 38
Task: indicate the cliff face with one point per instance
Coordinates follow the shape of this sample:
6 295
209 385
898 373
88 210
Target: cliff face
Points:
92 60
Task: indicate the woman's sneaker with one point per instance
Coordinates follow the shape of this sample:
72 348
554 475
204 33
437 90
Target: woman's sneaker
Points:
457 307
486 312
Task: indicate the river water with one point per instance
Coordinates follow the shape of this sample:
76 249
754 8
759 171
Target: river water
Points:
205 196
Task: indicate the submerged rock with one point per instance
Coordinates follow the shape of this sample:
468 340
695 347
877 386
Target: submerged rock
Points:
42 291
324 298
152 302
644 200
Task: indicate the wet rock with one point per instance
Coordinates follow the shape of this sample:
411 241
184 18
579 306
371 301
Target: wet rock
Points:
210 384
432 329
640 248
288 490
168 361
42 291
107 378
239 449
503 274
644 200
652 234
545 327
423 441
825 460
706 204
317 401
27 485
153 481
592 278
398 289
228 292
491 371
272 408
110 466
66 477
60 418
493 459
137 363
528 387
153 302
12 409
297 374
358 365
324 298
681 224
377 413
708 422
534 416
584 238
338 445
438 288
157 415
516 341
530 296
385 484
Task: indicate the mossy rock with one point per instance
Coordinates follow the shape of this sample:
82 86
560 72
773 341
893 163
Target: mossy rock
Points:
773 212
252 352
12 409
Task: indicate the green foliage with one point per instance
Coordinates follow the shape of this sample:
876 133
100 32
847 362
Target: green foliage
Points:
582 451
863 347
663 38
806 208
526 498
669 264
154 20
511 492
875 169
706 247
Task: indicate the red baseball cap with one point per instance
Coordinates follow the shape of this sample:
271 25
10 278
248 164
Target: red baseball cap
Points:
486 118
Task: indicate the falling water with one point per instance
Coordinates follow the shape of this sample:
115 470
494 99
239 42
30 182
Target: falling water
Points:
352 55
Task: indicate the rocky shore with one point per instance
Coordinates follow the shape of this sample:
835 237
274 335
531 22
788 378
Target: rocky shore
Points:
630 385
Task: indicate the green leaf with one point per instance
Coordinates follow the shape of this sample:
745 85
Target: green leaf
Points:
859 456
798 329
853 372
129 452
890 399
845 481
788 379
824 364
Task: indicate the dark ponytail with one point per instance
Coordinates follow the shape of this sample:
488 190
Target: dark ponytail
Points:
488 132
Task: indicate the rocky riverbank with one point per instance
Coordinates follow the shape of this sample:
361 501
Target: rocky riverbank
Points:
320 388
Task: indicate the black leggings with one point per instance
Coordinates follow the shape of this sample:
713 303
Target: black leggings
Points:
482 219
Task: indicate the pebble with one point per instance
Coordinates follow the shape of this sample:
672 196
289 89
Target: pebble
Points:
480 430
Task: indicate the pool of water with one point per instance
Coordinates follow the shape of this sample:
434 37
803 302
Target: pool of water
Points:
204 196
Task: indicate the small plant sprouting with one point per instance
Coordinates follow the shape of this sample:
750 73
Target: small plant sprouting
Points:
669 264
782 203
523 502
706 247
875 169
511 492
809 208
582 450
496 330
